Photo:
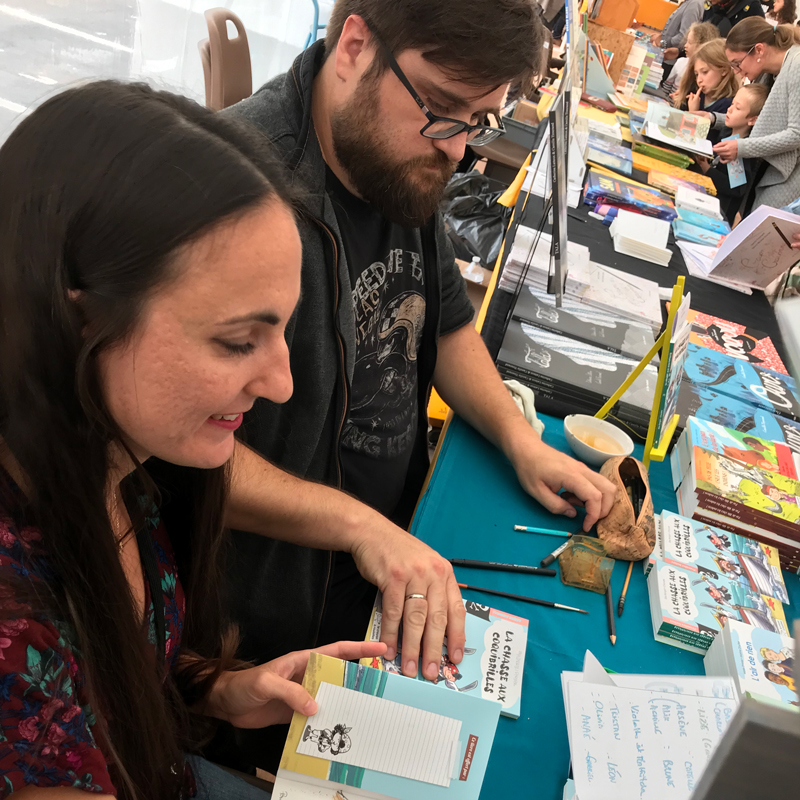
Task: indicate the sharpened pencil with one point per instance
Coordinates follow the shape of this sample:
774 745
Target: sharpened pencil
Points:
522 597
621 604
612 628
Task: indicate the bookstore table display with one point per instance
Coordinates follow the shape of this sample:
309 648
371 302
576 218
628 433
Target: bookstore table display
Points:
469 510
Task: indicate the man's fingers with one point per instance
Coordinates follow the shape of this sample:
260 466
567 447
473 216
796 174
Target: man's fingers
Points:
455 621
435 627
415 615
553 502
391 616
592 498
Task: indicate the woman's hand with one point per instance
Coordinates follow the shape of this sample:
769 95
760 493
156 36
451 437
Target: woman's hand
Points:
693 101
268 694
727 150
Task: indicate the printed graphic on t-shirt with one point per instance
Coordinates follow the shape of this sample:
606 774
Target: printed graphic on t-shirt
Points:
389 305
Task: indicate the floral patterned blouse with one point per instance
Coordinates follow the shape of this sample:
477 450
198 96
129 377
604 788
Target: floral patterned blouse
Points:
46 723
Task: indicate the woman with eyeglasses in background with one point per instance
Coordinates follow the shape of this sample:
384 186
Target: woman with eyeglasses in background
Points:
753 47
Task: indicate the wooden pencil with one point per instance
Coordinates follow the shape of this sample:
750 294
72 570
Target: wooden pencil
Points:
612 628
621 604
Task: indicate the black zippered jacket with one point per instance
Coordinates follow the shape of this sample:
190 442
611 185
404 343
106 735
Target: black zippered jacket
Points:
278 588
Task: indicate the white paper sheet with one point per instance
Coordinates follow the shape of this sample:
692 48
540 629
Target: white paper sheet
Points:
635 743
378 734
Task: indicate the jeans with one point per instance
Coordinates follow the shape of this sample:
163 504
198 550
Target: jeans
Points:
214 783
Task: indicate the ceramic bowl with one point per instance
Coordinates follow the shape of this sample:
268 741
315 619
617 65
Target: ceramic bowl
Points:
586 452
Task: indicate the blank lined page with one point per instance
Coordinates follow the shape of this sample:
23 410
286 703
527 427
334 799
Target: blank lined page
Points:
370 732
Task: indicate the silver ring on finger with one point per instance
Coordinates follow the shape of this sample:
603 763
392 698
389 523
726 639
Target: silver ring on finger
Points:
416 597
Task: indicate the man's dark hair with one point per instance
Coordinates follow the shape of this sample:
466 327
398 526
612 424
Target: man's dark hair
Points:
480 42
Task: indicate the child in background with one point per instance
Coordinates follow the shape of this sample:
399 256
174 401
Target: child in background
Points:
698 34
739 119
716 84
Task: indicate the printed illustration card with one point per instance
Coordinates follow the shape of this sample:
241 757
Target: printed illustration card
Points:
643 744
381 735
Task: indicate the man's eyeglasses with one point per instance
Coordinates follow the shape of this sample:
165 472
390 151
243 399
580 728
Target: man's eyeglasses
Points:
736 66
444 127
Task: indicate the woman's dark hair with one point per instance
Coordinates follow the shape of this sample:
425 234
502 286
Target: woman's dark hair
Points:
746 34
787 13
98 187
482 42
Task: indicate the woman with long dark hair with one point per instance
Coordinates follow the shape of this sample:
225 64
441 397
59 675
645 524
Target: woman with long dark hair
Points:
149 263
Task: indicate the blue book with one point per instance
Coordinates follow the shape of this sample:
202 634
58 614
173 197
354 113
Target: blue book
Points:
694 233
362 747
608 154
703 221
740 380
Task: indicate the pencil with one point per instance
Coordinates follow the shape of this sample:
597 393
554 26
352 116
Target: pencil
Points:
612 628
524 598
545 531
621 603
548 560
780 233
467 562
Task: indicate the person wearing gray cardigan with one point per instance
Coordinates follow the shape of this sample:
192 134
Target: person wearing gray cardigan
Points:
753 46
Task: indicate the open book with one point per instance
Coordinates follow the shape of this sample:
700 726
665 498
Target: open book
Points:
678 129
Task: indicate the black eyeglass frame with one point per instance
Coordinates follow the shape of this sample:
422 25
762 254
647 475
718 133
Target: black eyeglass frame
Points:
486 133
736 66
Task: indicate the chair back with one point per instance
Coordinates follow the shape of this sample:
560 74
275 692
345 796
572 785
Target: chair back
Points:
226 62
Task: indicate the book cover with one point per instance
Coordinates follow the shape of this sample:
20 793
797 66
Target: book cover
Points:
670 183
703 220
748 491
684 124
473 719
735 340
694 233
763 661
740 446
493 662
661 153
689 609
617 191
579 321
708 550
764 388
569 362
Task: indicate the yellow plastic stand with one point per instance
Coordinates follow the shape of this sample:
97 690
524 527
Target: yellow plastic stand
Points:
662 343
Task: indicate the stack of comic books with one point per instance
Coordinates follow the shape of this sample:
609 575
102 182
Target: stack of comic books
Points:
621 193
700 577
749 497
570 376
761 663
493 662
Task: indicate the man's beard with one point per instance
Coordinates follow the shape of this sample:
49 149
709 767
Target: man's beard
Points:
405 192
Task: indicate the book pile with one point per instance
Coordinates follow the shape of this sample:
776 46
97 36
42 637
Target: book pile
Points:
573 377
761 663
669 184
614 156
626 194
643 736
699 577
641 237
661 154
699 228
647 164
628 296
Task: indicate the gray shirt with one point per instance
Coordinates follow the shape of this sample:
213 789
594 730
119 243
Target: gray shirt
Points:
679 22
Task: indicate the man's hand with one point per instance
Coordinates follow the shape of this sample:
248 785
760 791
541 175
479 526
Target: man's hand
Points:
727 150
544 471
671 54
655 38
401 566
268 694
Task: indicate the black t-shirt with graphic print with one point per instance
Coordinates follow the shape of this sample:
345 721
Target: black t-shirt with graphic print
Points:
389 301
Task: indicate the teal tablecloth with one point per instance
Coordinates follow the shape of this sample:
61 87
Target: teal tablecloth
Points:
472 502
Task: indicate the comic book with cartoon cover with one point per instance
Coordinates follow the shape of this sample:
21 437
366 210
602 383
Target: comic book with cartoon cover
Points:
722 373
741 446
761 663
688 609
493 661
707 550
380 736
